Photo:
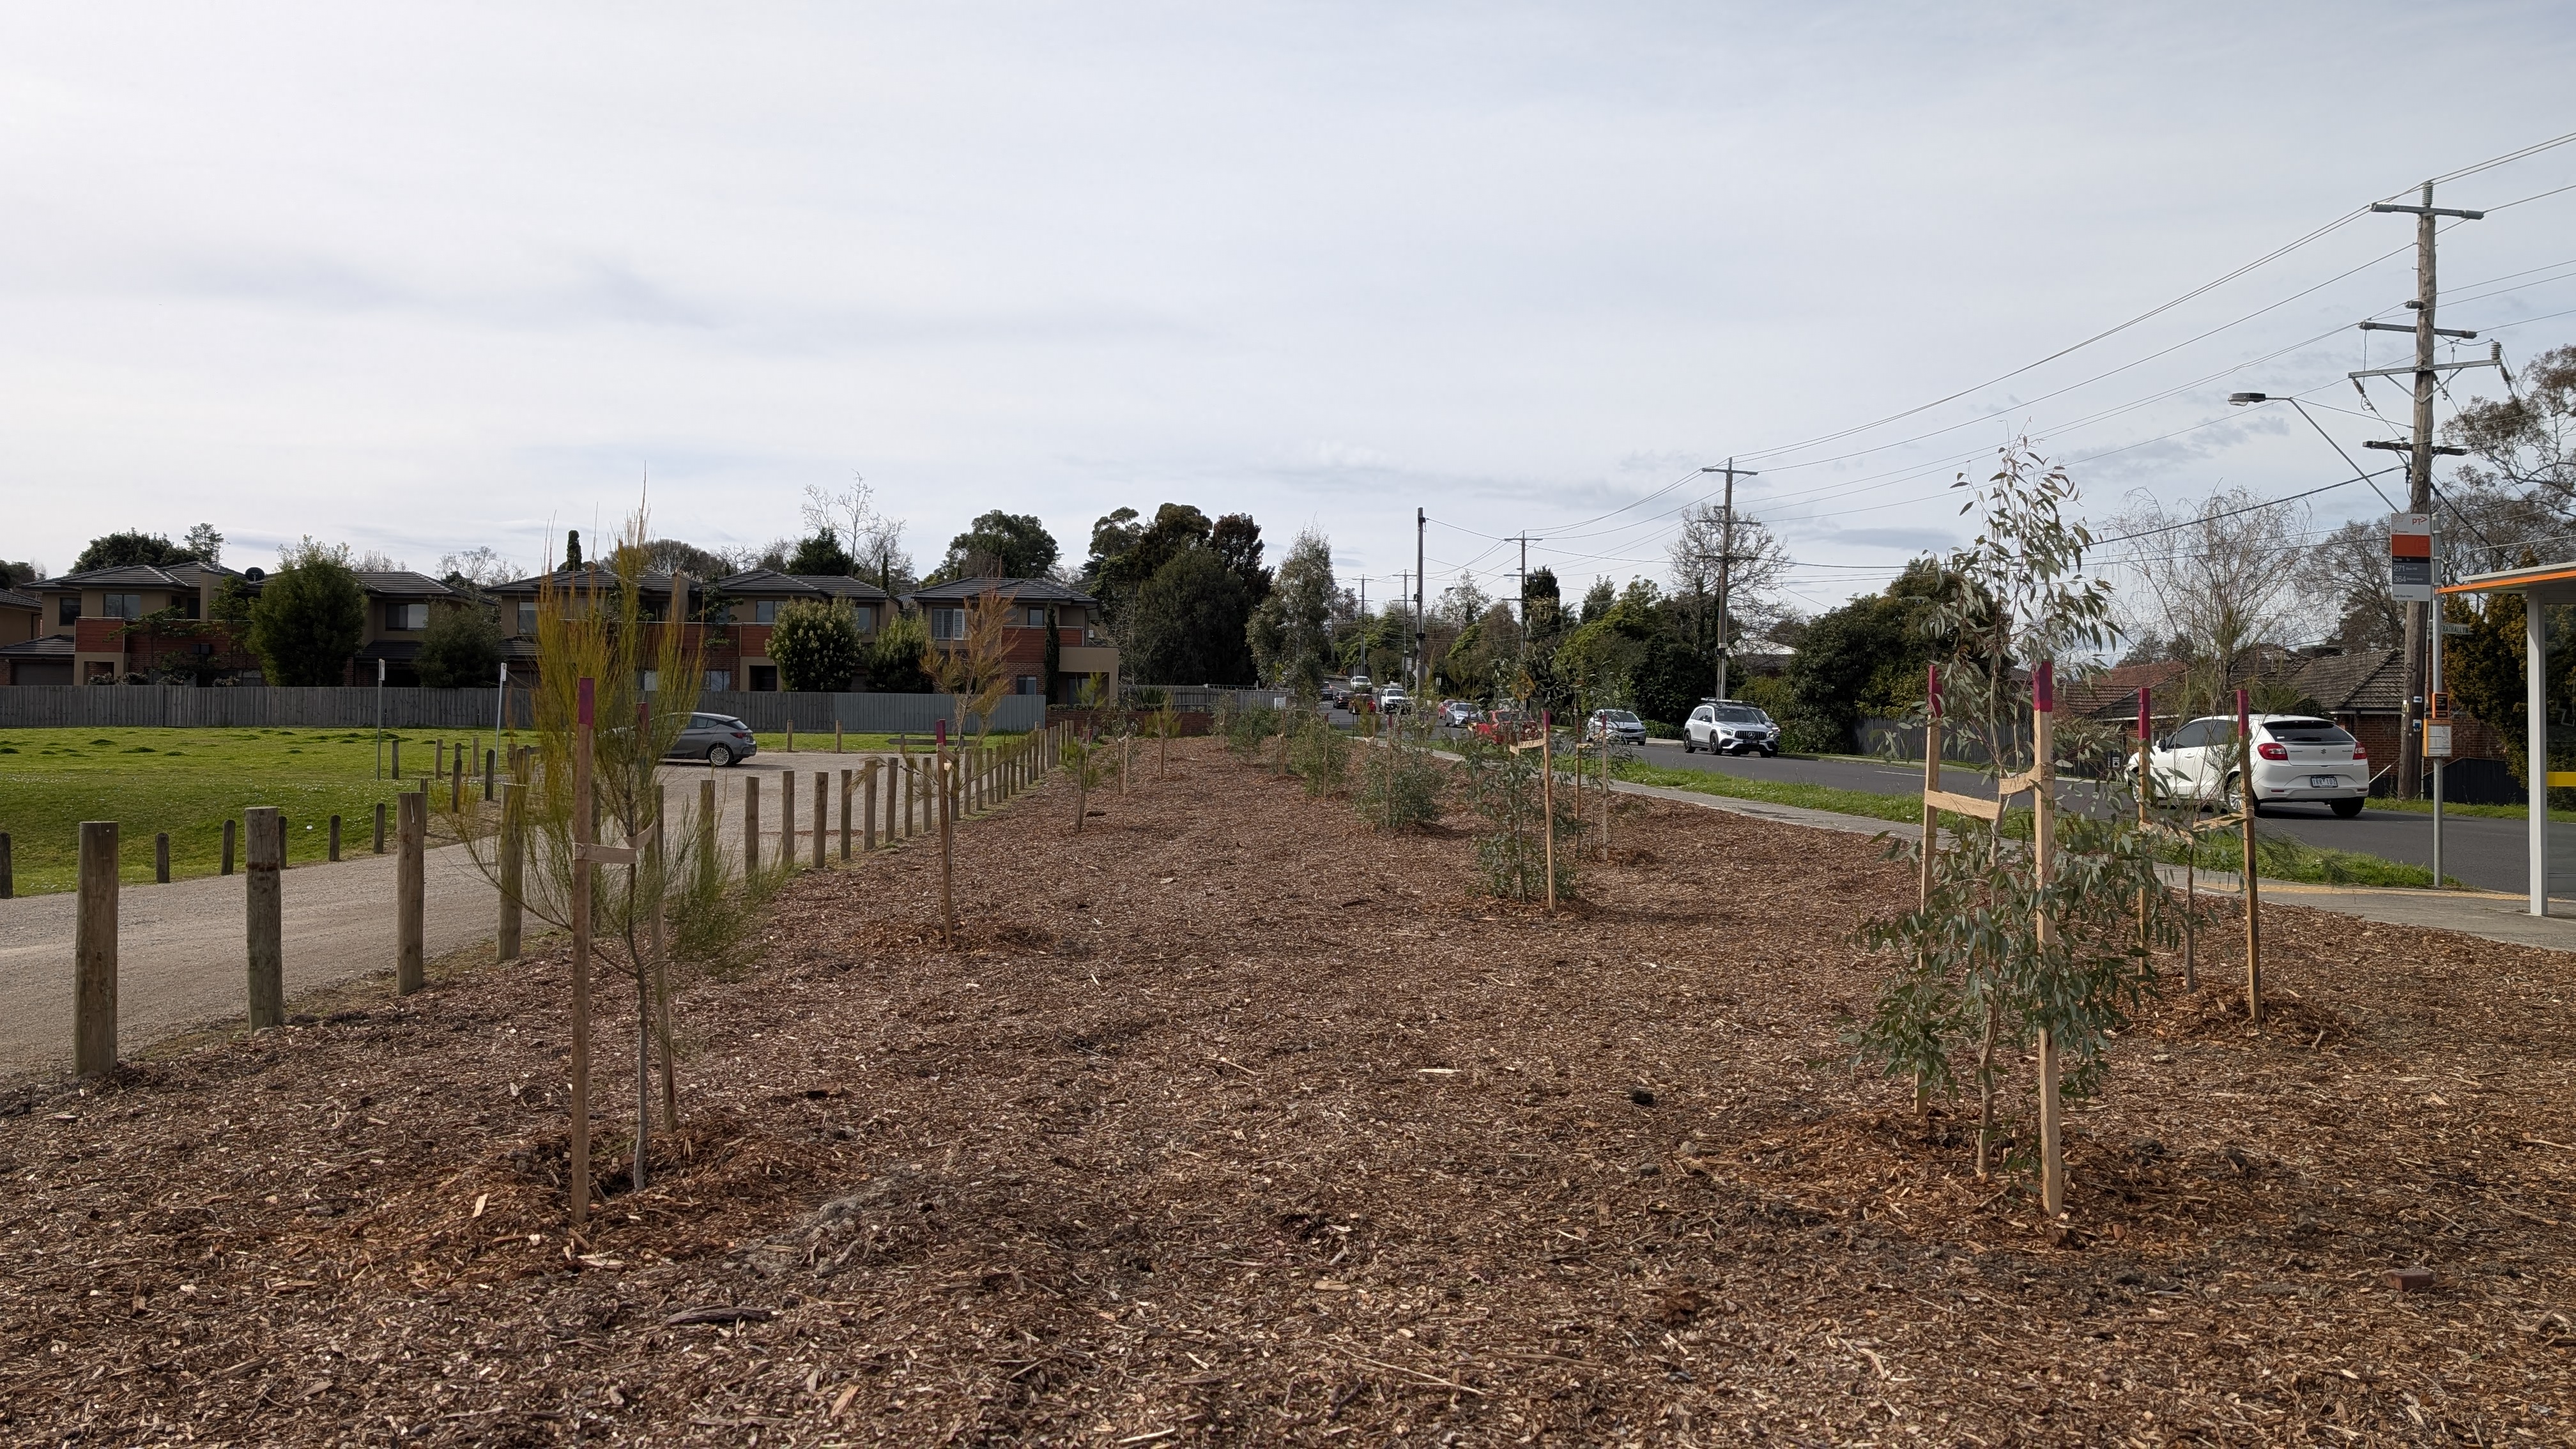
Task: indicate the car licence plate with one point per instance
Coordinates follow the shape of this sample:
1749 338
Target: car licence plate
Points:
2324 782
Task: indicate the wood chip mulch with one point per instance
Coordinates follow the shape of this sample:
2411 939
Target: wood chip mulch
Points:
1231 1121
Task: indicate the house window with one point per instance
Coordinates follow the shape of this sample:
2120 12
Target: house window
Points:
1037 618
720 680
121 606
648 680
1027 684
867 615
764 678
406 616
948 623
765 612
68 611
193 604
527 620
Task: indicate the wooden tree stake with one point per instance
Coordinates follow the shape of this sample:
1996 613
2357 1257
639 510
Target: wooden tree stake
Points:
822 816
1547 796
1931 778
787 818
846 830
230 826
577 1189
947 846
514 855
2253 904
411 831
2043 845
262 911
868 784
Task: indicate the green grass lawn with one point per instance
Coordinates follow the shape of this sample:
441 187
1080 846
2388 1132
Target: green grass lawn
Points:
811 741
189 782
2279 856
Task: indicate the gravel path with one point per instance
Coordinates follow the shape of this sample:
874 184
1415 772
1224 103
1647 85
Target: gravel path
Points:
181 957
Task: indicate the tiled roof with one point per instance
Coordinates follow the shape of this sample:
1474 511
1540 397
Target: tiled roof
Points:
404 584
2365 681
145 576
40 648
2113 693
1020 591
397 650
12 599
588 576
841 586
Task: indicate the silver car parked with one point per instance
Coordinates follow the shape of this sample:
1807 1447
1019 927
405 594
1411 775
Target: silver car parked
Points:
718 739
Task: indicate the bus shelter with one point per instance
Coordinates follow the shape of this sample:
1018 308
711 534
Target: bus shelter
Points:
2549 706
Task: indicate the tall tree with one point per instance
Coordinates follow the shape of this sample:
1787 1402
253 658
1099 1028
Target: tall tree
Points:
816 645
678 556
873 538
1188 623
2526 442
2219 574
310 616
128 548
572 548
1000 545
1292 629
820 555
1542 608
1237 540
1125 554
461 649
204 542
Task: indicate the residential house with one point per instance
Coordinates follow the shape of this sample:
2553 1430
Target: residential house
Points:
2364 690
133 621
1035 605
729 620
399 604
22 616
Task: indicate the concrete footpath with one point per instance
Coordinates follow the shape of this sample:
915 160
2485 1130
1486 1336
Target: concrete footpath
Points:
182 949
2485 914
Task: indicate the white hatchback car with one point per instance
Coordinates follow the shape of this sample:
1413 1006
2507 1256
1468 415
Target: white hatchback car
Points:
2296 757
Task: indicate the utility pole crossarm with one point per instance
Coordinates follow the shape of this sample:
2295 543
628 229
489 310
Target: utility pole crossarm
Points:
2411 370
2410 327
2429 210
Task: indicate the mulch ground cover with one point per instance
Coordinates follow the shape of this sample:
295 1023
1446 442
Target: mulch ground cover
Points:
1230 1121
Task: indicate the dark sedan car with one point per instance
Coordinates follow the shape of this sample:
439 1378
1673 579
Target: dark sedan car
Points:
718 739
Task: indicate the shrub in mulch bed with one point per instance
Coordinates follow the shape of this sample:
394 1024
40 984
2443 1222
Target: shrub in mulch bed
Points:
1234 1121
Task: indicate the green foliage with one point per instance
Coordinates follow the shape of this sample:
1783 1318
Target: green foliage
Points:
461 649
1188 624
1247 730
1507 788
132 546
999 545
1400 783
892 662
1291 630
310 617
820 555
1864 658
816 645
1320 754
572 548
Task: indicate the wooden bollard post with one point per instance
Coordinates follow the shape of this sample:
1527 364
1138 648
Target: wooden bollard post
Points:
750 824
822 815
490 759
791 737
380 827
868 778
787 818
161 857
513 870
836 737
229 827
456 784
8 869
411 867
264 930
707 820
397 757
945 781
94 952
335 837
2043 848
438 757
845 815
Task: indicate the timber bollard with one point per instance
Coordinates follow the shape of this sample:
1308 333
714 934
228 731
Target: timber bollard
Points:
846 825
750 824
94 952
397 757
513 870
836 737
380 827
229 827
410 877
491 758
161 858
456 784
787 818
8 869
264 896
868 786
707 824
822 815
335 837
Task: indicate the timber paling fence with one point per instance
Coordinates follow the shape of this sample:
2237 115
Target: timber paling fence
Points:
886 800
164 706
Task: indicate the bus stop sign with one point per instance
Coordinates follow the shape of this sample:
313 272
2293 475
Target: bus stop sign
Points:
2410 557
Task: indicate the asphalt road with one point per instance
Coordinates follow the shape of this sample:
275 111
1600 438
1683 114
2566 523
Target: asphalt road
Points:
2484 852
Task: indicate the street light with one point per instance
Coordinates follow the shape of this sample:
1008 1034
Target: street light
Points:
2241 399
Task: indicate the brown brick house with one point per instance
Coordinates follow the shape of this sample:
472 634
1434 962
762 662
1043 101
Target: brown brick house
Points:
729 620
1035 605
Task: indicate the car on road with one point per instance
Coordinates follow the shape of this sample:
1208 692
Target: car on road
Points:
1459 713
1360 684
1727 727
2297 757
1618 726
1392 699
718 739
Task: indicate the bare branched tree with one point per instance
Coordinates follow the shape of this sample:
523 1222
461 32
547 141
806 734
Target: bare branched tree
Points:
872 537
2219 577
1755 565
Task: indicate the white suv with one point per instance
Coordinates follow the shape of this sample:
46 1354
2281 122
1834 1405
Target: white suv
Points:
2296 757
1723 727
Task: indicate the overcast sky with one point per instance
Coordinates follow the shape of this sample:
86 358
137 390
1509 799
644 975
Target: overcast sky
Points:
421 279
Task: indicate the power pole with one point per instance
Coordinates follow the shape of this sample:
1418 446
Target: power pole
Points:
1522 580
1421 634
1726 562
2419 480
